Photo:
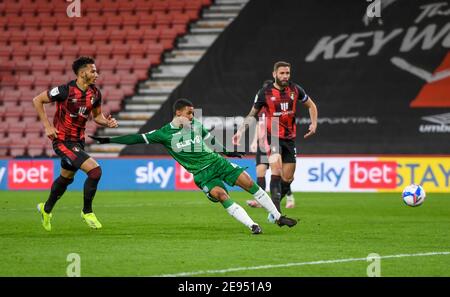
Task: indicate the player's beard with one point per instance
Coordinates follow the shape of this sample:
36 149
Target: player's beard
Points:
282 83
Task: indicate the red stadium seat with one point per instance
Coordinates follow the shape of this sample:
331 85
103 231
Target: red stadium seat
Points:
88 50
4 147
17 37
15 22
127 6
25 81
40 67
121 50
115 95
114 21
3 131
48 23
104 51
43 83
106 65
11 96
70 50
118 36
8 81
17 146
36 147
125 65
35 37
16 130
54 52
146 21
160 6
51 37
37 51
101 36
163 20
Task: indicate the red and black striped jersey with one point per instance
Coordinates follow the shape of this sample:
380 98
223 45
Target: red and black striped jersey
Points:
280 107
73 107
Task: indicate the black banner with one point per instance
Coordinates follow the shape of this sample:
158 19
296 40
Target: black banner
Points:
378 71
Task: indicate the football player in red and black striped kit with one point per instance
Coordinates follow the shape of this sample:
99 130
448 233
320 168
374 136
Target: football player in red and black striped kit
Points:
75 101
280 101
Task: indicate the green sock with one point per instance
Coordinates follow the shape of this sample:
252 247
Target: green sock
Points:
254 188
227 203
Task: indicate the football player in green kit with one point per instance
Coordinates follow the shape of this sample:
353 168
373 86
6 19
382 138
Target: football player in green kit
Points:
184 138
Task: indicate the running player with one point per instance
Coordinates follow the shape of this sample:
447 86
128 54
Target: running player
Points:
184 138
74 103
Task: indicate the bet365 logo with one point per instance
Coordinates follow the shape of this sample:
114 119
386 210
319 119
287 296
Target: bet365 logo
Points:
74 9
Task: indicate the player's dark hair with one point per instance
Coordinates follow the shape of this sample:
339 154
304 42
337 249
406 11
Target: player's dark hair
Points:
180 104
80 62
280 64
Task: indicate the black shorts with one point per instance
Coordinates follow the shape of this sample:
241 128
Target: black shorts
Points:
72 154
286 148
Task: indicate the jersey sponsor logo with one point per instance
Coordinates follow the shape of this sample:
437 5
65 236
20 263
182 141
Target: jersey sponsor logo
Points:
54 92
188 142
30 175
150 174
373 174
284 106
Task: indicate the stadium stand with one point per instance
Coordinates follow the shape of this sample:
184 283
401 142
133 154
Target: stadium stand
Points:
381 84
39 42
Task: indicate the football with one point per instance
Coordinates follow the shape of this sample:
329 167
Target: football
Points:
413 195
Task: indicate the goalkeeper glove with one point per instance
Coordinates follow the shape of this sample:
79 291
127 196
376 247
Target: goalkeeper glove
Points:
234 154
100 140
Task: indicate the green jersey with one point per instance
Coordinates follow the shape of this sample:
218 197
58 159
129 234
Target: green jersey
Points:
187 146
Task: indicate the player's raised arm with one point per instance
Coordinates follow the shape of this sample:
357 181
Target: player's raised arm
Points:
38 103
313 113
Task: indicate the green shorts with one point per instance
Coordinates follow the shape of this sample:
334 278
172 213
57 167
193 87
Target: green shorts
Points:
216 174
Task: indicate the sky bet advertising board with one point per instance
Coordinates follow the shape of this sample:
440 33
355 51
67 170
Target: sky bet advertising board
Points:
117 174
324 174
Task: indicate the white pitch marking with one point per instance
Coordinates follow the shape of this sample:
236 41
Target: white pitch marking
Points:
299 264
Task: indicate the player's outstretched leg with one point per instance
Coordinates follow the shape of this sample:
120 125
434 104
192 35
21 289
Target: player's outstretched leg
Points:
90 188
261 180
234 209
245 182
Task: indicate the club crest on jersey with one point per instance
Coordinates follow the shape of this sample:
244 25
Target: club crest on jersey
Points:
92 100
292 95
273 98
76 148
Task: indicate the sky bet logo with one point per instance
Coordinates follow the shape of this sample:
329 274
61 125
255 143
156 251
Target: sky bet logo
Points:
373 175
152 174
30 175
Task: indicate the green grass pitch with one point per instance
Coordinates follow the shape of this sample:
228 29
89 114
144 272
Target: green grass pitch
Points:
170 233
